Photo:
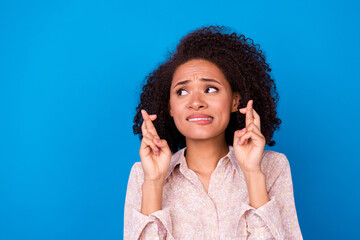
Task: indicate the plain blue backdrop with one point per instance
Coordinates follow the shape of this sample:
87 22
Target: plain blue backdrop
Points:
70 78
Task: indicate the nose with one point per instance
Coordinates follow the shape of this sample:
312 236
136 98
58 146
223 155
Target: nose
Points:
197 101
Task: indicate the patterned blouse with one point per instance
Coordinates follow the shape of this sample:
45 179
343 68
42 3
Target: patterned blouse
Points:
190 212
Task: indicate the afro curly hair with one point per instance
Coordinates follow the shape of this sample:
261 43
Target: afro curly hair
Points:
242 63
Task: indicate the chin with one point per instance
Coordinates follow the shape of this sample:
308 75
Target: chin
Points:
201 132
201 135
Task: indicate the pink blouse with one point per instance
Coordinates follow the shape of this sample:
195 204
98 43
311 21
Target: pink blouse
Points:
189 212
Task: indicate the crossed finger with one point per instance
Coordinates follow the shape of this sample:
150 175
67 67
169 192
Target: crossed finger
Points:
147 141
254 137
251 115
143 125
147 125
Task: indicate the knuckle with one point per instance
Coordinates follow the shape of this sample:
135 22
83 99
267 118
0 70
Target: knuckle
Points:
149 135
252 126
144 141
147 139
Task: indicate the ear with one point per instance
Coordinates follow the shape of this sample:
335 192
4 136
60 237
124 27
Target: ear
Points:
235 101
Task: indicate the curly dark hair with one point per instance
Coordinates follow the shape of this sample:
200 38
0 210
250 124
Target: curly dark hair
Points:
242 63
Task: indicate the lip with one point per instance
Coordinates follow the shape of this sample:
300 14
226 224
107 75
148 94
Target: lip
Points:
201 119
198 116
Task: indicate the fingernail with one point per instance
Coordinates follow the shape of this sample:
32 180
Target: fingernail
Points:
242 130
157 140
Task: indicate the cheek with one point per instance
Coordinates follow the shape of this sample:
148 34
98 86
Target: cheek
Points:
171 105
175 108
223 107
223 104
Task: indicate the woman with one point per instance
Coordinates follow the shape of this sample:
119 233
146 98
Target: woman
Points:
204 173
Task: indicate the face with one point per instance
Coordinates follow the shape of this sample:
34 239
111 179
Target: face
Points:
201 100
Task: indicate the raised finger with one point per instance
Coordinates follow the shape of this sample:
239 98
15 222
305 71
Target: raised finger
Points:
148 123
256 116
249 113
143 126
156 140
254 137
257 120
148 142
143 129
153 117
252 127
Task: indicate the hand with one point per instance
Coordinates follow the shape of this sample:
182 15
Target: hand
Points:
154 153
249 143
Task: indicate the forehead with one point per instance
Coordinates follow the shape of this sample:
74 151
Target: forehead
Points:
198 68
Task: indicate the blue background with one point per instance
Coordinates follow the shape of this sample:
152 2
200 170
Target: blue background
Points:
70 78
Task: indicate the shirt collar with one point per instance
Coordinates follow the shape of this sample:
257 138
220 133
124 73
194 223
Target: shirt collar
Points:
175 160
179 157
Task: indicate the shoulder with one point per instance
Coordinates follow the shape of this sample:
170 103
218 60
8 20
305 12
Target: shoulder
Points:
136 167
136 173
273 163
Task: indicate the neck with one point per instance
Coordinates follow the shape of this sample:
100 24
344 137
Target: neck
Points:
202 156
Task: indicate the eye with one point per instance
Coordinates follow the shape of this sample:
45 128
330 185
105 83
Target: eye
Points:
211 89
181 92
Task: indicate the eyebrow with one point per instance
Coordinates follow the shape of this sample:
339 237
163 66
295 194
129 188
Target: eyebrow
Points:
202 79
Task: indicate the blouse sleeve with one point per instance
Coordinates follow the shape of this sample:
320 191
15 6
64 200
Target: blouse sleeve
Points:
138 226
277 219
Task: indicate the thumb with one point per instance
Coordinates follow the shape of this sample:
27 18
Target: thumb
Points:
238 134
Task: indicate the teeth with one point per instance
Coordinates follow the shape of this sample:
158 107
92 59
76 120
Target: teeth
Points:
198 119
